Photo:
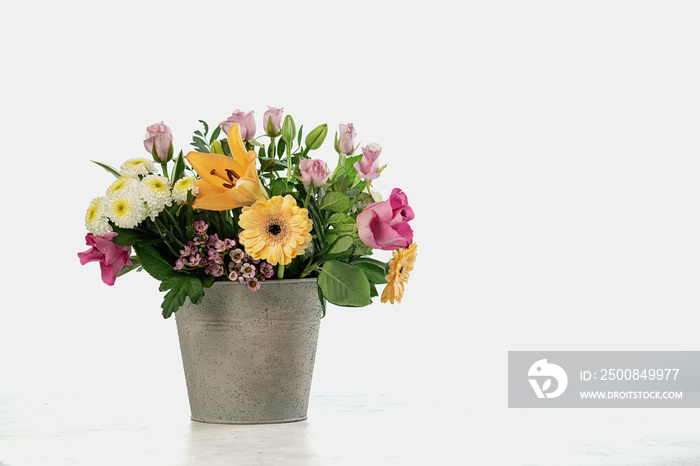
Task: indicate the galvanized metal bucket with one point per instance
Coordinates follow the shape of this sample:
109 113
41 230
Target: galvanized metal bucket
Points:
249 356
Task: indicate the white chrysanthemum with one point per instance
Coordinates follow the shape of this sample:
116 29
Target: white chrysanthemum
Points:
182 187
136 167
155 190
95 220
123 184
125 209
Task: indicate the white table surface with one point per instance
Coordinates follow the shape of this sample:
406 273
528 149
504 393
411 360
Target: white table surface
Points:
340 430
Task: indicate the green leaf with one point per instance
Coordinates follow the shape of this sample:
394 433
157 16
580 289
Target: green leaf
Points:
129 237
335 202
374 270
206 127
266 163
342 183
200 144
179 169
344 284
301 130
280 187
340 248
215 134
341 223
135 264
109 169
181 287
225 147
349 169
153 262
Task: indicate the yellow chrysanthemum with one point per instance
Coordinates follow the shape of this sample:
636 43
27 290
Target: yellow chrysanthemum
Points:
276 230
399 267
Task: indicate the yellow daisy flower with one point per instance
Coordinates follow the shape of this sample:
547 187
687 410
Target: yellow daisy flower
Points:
399 267
276 230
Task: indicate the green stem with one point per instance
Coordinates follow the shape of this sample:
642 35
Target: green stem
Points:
165 169
280 271
274 147
308 194
289 163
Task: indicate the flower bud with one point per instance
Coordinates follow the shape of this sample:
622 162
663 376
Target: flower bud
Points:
368 166
346 138
316 137
272 121
314 171
289 130
246 124
158 142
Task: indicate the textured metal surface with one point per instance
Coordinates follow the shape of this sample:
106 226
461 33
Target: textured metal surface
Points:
249 356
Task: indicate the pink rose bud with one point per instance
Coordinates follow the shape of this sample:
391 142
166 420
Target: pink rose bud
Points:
246 124
346 138
368 166
160 136
384 225
314 171
272 121
110 256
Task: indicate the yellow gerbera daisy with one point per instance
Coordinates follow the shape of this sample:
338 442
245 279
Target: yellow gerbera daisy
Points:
399 267
276 230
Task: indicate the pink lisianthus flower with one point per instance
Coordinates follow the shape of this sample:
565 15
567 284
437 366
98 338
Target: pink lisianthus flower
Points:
246 124
384 225
160 136
314 171
368 166
112 258
346 138
274 116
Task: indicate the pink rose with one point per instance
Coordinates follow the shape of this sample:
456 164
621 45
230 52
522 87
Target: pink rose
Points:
274 115
110 256
162 137
368 166
314 171
346 138
384 225
246 124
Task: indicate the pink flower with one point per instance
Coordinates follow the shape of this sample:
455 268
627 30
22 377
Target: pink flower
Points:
246 122
111 257
384 225
274 115
162 137
314 171
346 138
368 166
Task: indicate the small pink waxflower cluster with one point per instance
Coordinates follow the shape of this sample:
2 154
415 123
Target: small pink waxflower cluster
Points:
222 259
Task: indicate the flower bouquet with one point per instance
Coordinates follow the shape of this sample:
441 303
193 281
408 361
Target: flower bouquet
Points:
249 209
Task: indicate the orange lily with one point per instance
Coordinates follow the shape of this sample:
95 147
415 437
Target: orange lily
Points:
226 183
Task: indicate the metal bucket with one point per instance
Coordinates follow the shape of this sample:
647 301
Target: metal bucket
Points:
249 356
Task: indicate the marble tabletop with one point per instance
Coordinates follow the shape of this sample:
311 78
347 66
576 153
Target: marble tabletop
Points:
341 430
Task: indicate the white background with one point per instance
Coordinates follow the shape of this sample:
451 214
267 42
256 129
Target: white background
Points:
549 150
